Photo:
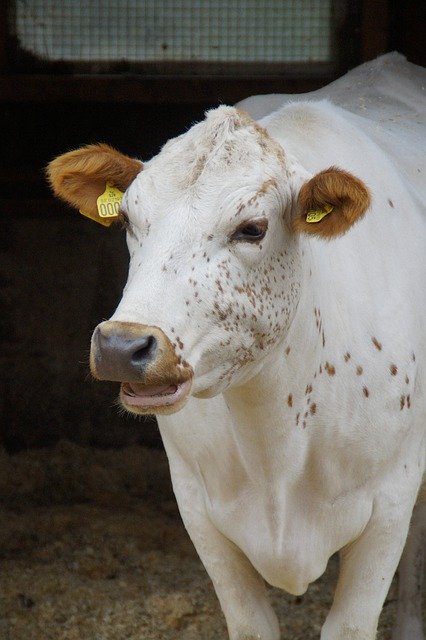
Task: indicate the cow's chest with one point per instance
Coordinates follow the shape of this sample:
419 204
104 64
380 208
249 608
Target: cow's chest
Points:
290 482
289 534
292 490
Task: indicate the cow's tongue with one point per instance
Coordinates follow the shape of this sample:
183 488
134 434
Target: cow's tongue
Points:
137 390
135 394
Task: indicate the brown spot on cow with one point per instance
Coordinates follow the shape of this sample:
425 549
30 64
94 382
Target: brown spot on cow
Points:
377 344
402 402
297 419
308 389
393 369
331 369
347 356
313 409
408 401
390 203
359 371
241 206
287 351
365 392
271 182
290 400
407 380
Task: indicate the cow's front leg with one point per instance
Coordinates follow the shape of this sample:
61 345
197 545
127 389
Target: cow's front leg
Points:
410 579
367 567
242 596
240 589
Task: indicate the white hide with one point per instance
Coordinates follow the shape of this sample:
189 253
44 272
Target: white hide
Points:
314 441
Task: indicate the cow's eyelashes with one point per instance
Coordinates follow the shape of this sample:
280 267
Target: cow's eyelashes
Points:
250 231
123 219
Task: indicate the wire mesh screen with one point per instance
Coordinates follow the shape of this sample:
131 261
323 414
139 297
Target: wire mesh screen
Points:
176 30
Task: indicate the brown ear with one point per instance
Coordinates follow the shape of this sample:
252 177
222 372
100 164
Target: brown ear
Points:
79 177
334 190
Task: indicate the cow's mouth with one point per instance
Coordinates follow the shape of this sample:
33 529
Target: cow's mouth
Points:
142 398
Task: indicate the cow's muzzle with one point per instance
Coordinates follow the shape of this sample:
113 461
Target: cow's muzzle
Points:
154 378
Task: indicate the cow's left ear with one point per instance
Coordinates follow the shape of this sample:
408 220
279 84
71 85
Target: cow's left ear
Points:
79 177
330 203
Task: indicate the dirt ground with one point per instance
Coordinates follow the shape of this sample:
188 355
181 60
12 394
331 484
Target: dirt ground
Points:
92 548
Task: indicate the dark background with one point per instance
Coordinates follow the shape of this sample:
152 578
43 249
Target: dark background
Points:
60 274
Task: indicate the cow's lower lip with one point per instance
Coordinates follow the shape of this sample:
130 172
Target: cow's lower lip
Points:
137 395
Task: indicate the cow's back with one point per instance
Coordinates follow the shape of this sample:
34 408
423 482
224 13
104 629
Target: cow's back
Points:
385 99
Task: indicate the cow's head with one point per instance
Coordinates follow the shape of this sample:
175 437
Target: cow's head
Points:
213 223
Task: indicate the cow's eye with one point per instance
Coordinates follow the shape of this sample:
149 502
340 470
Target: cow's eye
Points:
251 231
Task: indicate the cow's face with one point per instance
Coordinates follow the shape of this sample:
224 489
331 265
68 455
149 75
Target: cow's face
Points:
213 229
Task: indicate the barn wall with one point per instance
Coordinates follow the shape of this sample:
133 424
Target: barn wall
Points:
60 274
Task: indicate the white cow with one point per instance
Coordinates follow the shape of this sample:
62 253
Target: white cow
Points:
293 354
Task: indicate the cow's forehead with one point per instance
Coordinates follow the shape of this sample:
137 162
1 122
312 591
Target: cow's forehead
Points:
226 144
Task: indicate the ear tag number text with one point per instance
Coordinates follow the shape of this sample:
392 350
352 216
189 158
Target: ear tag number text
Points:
108 205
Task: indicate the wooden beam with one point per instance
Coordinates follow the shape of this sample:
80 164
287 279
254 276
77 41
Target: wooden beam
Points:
147 90
4 35
374 28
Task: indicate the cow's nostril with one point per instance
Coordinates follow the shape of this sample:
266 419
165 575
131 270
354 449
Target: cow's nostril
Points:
145 352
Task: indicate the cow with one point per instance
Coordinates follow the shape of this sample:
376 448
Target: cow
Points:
274 322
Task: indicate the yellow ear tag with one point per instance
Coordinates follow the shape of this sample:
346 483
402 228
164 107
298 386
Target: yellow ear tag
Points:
108 205
319 214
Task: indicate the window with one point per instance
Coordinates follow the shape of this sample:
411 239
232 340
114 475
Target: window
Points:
161 30
163 36
173 51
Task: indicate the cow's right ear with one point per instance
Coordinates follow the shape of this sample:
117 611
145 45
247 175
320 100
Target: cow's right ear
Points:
79 177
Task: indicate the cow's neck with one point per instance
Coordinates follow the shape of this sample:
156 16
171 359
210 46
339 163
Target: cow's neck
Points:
270 408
